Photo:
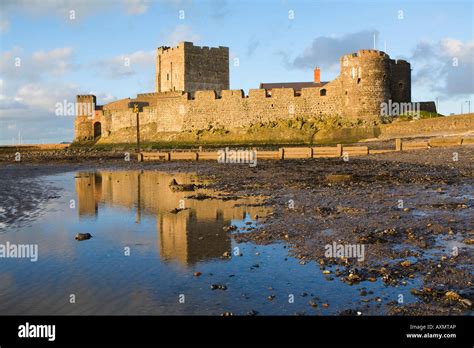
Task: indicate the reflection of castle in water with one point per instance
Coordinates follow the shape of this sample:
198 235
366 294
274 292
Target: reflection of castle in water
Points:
188 236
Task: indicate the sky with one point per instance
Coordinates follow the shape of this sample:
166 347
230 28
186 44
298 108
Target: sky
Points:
52 50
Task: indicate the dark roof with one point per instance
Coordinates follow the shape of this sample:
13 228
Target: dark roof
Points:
297 86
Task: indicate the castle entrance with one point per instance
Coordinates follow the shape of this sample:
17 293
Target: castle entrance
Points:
97 130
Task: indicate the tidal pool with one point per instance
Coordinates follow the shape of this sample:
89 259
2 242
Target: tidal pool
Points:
159 251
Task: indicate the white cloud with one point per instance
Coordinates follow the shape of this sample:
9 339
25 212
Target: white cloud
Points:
81 8
103 98
180 33
45 96
445 67
136 7
31 110
18 66
4 25
125 65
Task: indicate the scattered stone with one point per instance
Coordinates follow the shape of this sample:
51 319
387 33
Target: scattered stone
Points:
218 287
405 263
465 302
175 187
337 178
252 313
469 241
452 296
197 274
353 278
227 314
226 254
229 228
326 272
271 297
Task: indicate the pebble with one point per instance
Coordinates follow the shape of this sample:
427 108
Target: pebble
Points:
197 274
229 228
405 263
451 295
83 236
353 277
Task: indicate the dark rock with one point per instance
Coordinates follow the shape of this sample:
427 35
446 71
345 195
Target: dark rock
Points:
83 236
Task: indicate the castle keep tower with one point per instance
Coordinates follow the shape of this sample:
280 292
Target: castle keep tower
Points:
190 68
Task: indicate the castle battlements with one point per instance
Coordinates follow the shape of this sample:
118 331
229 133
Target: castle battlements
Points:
192 93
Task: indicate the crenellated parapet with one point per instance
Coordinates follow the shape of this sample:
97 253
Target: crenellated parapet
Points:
367 79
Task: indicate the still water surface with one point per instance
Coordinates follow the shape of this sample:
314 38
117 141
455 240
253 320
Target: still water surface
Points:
144 254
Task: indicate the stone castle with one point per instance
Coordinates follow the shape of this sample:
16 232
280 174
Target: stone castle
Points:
192 94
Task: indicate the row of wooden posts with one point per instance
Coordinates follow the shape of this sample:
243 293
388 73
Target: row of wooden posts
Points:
308 152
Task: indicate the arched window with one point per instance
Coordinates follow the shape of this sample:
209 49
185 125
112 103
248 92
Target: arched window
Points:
322 92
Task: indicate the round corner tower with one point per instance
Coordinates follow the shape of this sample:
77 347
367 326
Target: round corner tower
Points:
365 84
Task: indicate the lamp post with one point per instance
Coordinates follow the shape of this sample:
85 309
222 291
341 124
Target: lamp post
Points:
135 110
137 107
